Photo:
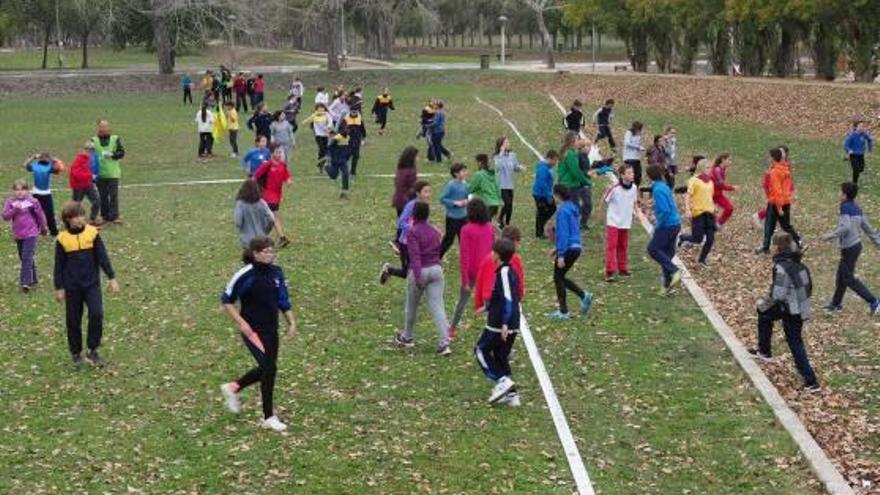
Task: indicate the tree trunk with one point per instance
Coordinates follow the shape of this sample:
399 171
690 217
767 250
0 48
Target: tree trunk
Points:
862 36
162 44
46 33
783 64
718 49
549 59
824 50
637 45
332 37
689 50
85 48
520 35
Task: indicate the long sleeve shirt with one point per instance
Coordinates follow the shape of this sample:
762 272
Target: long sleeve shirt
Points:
261 123
455 190
568 228
502 309
858 143
632 146
78 256
476 244
438 123
780 185
423 247
206 124
506 165
543 186
665 211
404 180
850 223
26 216
571 175
719 179
484 186
792 285
262 290
486 279
252 220
282 132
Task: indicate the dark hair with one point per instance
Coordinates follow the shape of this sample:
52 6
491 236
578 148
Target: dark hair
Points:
456 168
783 242
419 185
720 158
477 212
656 172
256 245
696 159
407 158
204 112
562 192
259 76
498 144
622 169
249 192
320 88
551 154
776 154
850 190
609 101
504 248
320 105
636 127
71 209
438 104
482 160
278 113
229 104
576 104
421 210
511 232
259 137
657 138
567 142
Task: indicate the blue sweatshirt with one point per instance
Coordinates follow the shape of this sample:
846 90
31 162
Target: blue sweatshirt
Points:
568 228
455 190
253 159
42 176
858 142
665 210
543 186
438 123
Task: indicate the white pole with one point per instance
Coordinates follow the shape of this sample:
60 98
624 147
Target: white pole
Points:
503 55
593 47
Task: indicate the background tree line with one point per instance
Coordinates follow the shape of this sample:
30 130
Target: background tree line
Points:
754 37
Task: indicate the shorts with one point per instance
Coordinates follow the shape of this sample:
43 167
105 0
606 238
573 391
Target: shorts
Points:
273 206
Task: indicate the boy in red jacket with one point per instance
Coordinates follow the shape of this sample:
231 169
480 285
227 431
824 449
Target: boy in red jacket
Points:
486 273
82 179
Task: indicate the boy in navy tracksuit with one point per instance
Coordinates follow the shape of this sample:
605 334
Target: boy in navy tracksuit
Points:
855 145
339 151
502 324
79 253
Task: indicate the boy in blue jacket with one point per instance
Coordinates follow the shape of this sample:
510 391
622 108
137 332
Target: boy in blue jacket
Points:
542 191
502 324
856 144
666 228
256 156
566 253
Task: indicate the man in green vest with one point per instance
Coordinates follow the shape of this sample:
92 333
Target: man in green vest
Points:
109 149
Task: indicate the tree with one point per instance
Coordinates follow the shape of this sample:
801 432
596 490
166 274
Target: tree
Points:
88 16
539 7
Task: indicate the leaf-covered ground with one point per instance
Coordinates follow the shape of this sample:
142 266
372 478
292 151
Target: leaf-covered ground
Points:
844 418
653 397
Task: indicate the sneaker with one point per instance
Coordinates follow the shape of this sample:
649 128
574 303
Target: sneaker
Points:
676 279
810 389
25 288
450 332
875 307
559 315
384 274
586 302
504 385
343 195
77 362
756 221
283 242
610 278
624 274
94 359
117 221
444 350
233 155
232 402
833 309
680 242
760 356
511 399
401 341
394 247
274 424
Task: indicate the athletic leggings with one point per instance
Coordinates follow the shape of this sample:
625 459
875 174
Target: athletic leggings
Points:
562 283
321 141
507 208
266 368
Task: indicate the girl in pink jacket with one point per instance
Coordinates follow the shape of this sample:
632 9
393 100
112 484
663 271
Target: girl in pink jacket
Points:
25 214
476 239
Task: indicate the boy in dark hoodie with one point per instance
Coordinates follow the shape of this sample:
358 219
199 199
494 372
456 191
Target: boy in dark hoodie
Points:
604 116
339 150
574 119
353 123
850 225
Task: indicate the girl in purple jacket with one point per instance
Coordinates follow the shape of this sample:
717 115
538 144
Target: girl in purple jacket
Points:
25 214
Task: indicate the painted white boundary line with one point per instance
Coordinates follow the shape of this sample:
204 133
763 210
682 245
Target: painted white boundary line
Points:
816 457
575 462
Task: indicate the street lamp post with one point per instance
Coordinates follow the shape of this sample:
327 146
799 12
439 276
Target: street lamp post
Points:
231 18
503 20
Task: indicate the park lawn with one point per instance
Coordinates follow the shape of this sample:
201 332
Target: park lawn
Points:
653 397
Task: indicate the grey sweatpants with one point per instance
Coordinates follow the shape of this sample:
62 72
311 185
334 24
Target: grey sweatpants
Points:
464 294
432 284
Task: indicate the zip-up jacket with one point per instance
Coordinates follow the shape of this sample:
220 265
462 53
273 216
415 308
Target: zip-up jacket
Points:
78 256
503 307
568 228
850 224
262 290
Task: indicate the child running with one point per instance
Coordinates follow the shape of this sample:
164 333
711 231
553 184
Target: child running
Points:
506 165
780 194
261 122
850 224
492 350
321 125
542 191
701 210
381 106
667 225
43 166
477 237
620 201
353 123
83 172
272 176
484 186
604 117
455 201
282 133
566 253
670 148
574 120
28 222
339 151
425 277
262 290
421 191
718 173
252 215
79 254
256 156
856 144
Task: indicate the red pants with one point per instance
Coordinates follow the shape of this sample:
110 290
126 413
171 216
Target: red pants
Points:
726 208
616 243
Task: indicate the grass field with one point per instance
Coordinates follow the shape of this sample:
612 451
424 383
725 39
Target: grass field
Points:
652 396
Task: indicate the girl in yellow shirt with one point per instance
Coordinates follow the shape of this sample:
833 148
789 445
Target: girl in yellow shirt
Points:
701 209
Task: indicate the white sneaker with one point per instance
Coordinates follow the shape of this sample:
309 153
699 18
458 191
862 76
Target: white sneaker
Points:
501 389
274 424
232 402
511 399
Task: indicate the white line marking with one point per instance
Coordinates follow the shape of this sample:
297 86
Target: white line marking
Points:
816 457
575 462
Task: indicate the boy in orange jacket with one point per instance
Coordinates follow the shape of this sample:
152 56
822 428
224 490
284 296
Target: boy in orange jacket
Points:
779 196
